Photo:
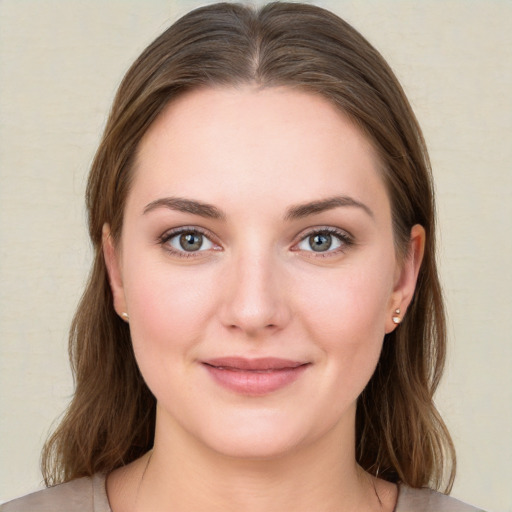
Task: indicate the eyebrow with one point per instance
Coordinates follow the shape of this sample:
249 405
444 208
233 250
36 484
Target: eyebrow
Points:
293 213
186 205
314 207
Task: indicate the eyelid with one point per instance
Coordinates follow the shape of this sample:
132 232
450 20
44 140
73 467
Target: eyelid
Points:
346 239
171 233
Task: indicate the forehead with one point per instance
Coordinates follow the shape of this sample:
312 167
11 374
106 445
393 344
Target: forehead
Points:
279 144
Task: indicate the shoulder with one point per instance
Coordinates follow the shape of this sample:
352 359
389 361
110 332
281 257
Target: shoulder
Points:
81 495
427 500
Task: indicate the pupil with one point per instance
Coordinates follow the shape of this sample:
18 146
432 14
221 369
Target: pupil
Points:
320 242
191 241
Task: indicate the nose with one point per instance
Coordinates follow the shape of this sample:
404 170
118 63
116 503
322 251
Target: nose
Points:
255 296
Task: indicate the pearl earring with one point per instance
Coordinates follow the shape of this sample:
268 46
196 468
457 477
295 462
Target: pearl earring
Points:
396 317
125 316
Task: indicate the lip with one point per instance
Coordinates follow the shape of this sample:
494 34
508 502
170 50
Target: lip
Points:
254 377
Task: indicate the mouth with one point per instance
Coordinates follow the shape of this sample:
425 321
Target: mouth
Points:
254 377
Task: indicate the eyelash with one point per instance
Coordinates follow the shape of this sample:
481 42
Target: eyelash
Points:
346 240
169 235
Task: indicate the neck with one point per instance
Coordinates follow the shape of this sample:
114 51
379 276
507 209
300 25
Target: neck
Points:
322 476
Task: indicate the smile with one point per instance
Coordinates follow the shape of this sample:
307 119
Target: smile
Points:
254 377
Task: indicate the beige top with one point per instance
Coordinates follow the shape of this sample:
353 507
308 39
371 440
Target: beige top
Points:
90 495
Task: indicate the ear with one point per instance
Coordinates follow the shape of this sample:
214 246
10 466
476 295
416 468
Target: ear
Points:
112 262
406 277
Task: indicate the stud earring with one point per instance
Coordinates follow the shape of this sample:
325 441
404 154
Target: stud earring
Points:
125 316
396 317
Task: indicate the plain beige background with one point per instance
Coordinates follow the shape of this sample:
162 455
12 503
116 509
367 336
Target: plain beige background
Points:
60 62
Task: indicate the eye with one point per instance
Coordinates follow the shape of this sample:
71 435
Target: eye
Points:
325 241
187 241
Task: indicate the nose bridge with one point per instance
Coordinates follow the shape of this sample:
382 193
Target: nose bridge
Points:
255 298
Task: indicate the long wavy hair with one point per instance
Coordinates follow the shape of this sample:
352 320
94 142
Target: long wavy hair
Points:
111 419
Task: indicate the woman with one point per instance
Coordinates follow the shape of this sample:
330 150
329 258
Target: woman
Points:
263 326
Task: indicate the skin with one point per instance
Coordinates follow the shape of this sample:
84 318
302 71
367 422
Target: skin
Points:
256 288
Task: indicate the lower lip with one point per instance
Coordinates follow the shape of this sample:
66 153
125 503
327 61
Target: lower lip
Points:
255 383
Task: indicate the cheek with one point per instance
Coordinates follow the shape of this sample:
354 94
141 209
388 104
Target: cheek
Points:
169 309
349 300
346 316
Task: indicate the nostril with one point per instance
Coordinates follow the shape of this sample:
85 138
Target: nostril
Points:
235 327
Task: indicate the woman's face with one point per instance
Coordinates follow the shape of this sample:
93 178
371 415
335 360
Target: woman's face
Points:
258 269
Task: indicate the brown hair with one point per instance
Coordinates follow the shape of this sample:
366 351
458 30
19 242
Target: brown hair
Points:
110 421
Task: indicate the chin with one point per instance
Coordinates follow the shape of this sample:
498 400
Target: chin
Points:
257 446
261 434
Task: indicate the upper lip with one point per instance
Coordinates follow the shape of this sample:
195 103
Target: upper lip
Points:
257 364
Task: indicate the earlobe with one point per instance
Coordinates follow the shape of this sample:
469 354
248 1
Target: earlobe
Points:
111 256
407 277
